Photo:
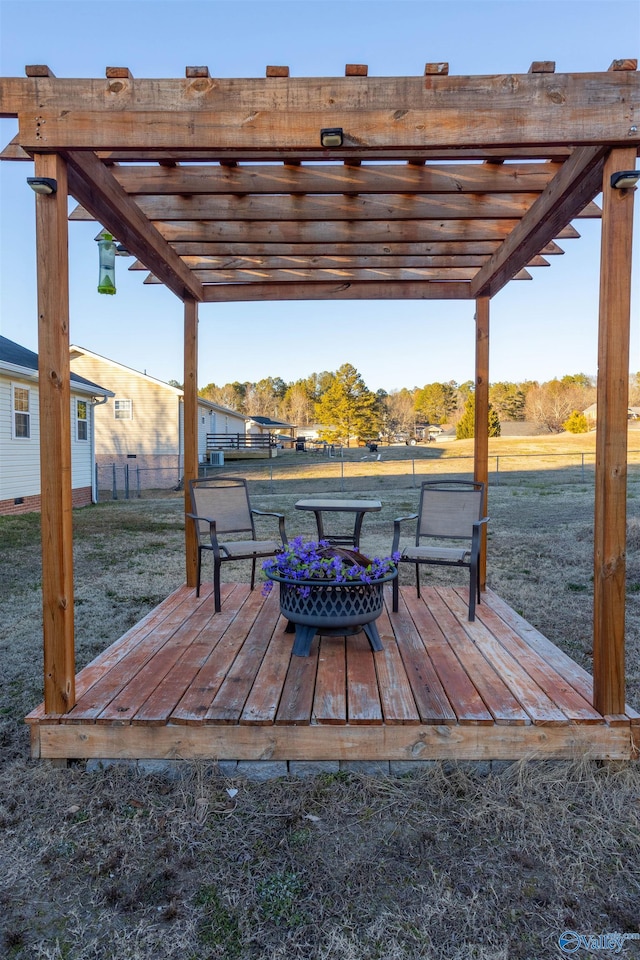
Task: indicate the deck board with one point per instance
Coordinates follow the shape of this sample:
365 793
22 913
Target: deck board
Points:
492 689
124 668
573 673
363 697
296 702
229 701
429 694
261 705
330 700
186 682
166 695
573 704
539 707
198 697
467 703
396 698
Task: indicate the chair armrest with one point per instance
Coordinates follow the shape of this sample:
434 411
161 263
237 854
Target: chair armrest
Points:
475 537
212 526
396 530
280 518
194 516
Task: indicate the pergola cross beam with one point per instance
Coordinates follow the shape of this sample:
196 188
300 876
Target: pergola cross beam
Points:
575 185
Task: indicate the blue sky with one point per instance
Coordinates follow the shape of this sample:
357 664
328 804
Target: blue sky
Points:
540 329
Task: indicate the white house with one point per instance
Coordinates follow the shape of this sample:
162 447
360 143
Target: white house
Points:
140 429
20 432
281 431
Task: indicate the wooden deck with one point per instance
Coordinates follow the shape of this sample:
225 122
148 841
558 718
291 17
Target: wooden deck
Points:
185 683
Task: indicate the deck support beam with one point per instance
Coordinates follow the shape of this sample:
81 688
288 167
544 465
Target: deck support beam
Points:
55 437
190 428
481 427
611 440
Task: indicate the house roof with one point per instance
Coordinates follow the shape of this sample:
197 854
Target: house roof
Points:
268 422
15 358
219 409
77 351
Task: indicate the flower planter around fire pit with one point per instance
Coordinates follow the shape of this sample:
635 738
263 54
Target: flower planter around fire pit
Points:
331 607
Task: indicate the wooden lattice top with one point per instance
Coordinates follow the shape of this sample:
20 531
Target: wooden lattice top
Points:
441 187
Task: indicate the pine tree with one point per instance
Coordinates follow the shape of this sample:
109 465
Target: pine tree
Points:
466 426
436 402
347 408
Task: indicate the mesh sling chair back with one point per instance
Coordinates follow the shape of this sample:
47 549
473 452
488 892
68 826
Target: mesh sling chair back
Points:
224 521
449 526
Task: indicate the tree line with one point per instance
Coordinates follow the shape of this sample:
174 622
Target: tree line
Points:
341 401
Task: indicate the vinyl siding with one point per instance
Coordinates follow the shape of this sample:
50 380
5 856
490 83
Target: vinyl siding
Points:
81 462
216 421
20 459
208 426
154 427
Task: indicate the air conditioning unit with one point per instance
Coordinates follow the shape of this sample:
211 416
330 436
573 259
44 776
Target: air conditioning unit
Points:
216 458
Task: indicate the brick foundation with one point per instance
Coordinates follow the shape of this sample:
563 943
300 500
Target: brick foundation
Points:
79 498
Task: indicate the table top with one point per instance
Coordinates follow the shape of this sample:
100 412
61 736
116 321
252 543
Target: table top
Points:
340 506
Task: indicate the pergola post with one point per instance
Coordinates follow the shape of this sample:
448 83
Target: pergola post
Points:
190 428
481 427
55 437
611 440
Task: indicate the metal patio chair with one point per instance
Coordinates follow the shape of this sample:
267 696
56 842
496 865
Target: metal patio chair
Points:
224 521
449 526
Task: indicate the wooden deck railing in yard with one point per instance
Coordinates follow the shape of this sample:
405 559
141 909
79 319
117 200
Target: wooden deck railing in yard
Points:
240 441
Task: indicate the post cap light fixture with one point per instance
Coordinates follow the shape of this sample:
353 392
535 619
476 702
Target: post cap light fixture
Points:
45 186
331 137
625 179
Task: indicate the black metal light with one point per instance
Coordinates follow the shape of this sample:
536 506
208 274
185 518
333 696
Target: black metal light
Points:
45 186
331 137
625 179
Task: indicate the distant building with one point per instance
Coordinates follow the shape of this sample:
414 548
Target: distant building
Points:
591 412
141 427
283 433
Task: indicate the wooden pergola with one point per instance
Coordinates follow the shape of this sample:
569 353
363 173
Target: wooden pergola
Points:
358 188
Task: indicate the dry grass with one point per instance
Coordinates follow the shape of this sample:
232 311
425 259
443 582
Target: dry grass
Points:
448 864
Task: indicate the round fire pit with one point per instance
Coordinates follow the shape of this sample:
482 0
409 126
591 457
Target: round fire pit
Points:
331 608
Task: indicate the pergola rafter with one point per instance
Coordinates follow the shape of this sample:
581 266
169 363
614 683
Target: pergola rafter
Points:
442 187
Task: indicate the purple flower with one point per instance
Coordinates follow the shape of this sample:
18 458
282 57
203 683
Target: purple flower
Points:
319 561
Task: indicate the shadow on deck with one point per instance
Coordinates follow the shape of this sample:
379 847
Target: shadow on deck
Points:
185 684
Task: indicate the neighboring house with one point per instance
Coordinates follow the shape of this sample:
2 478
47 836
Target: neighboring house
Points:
265 427
141 427
20 432
312 431
633 413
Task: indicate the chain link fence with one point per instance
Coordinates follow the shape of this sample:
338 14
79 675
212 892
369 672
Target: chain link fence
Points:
341 470
124 481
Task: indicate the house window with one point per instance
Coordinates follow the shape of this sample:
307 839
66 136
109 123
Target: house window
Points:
123 410
82 420
21 413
